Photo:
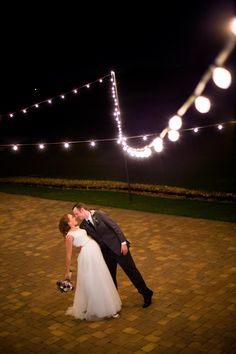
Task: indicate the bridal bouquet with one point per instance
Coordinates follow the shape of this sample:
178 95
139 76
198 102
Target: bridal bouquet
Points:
64 286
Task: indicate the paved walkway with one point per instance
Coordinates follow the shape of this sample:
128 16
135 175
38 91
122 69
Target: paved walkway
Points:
189 263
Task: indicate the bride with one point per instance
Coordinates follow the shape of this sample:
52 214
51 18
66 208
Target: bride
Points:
96 296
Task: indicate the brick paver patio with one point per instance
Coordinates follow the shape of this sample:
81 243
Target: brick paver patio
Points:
189 263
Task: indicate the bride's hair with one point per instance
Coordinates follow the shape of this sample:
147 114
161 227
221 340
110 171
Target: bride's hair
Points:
63 225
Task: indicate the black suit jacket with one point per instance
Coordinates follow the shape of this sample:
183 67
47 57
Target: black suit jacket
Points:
105 231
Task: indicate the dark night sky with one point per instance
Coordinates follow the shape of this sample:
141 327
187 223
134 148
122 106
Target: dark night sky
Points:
159 57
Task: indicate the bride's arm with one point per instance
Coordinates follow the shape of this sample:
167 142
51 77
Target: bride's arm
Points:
69 245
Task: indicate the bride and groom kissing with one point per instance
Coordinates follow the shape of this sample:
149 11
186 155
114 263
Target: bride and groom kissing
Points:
99 239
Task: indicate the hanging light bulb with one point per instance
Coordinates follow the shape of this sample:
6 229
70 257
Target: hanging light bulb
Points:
173 135
66 145
202 104
147 152
221 77
233 26
158 144
175 123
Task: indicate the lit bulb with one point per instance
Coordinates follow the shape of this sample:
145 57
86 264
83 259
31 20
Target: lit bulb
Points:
173 135
158 144
233 26
221 77
66 145
147 152
175 123
195 130
202 104
15 147
92 143
41 146
220 126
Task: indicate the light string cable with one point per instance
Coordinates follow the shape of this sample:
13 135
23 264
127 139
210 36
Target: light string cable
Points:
175 123
50 100
222 79
93 143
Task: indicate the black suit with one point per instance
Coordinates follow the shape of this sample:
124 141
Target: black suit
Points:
109 236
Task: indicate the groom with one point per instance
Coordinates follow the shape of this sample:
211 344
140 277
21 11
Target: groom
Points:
114 246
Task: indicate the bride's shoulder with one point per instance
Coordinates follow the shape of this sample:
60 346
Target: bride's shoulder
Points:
69 237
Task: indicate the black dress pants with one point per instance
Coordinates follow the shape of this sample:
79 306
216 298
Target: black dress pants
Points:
127 264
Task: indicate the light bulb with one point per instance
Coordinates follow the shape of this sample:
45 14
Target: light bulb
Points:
158 144
173 135
202 104
221 77
175 123
233 26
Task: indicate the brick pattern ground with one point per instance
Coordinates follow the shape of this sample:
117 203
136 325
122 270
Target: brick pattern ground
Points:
189 263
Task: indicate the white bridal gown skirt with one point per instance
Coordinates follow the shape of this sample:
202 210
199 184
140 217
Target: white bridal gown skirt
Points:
96 296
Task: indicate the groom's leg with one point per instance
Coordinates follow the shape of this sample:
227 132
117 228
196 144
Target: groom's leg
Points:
111 263
127 264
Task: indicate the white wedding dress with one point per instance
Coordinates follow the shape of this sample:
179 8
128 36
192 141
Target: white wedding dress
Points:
96 296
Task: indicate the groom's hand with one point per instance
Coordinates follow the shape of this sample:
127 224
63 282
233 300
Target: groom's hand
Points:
124 249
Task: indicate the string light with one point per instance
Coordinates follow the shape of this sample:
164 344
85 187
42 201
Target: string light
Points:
175 123
216 71
220 76
233 26
50 100
202 104
157 143
173 135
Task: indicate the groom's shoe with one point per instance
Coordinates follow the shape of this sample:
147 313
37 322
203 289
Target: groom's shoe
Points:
147 299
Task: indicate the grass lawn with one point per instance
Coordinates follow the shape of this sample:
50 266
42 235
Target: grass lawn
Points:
224 211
